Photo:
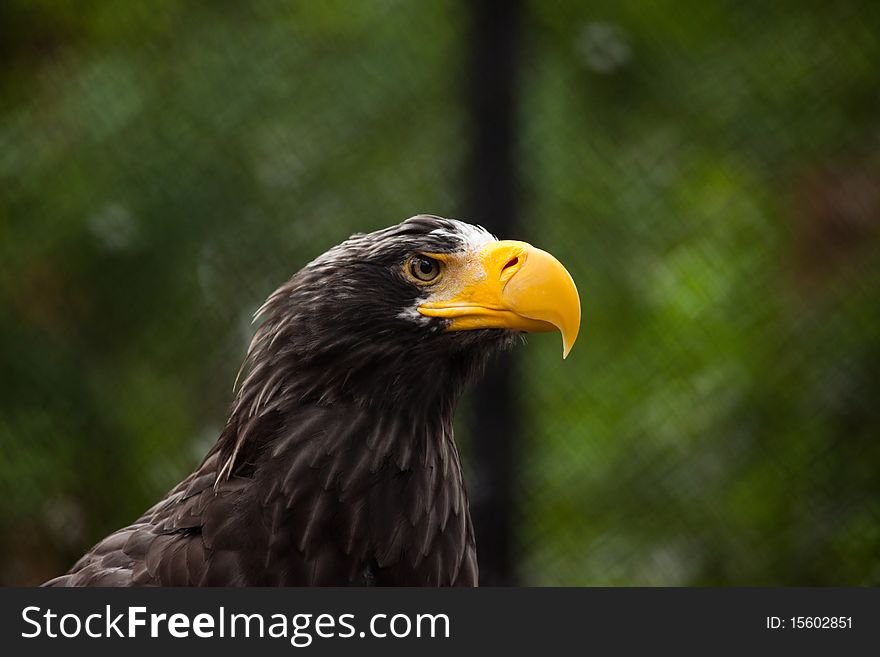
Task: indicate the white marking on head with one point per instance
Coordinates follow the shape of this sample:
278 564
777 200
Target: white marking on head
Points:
412 314
475 236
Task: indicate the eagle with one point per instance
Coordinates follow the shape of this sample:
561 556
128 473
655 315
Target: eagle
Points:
337 465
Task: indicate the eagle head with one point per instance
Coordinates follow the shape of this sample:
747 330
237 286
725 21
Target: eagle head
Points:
410 312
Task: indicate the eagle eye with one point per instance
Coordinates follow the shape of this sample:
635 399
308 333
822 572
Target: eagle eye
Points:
423 268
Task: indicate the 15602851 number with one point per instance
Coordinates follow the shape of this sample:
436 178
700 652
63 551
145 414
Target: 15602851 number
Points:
821 622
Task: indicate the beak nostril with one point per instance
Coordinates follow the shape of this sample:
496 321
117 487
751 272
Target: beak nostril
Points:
513 262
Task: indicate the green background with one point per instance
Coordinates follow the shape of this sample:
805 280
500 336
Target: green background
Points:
709 172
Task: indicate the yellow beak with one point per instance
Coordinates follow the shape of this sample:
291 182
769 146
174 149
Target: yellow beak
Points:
520 288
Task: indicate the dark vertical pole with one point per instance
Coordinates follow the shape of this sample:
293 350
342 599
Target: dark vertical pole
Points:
491 201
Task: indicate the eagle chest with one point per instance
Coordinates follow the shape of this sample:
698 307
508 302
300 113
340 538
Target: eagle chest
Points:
349 516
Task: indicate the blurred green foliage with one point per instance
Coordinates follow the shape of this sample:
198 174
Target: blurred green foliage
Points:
708 171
